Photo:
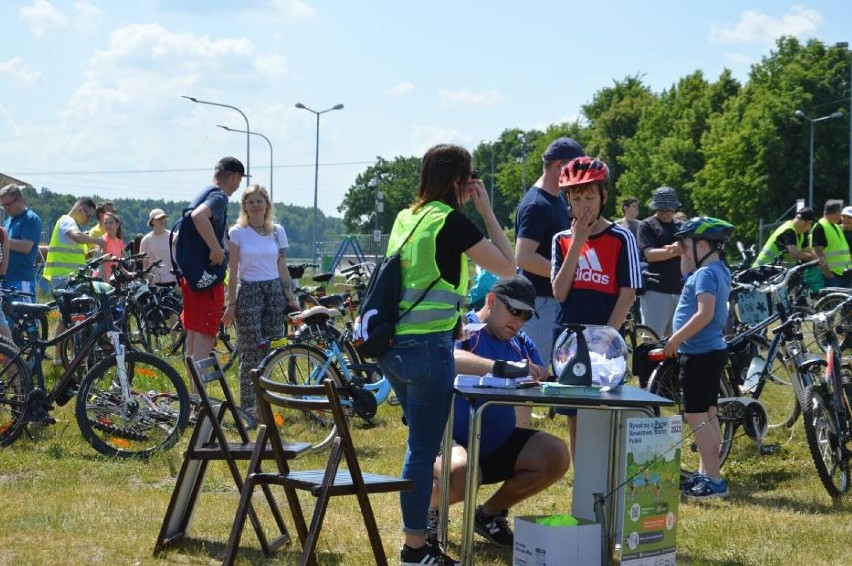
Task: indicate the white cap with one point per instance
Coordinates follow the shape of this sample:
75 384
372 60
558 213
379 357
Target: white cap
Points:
847 211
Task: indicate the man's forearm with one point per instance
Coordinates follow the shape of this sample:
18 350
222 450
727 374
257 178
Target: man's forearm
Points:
205 230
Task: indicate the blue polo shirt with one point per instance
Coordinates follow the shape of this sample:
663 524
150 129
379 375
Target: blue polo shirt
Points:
498 421
24 226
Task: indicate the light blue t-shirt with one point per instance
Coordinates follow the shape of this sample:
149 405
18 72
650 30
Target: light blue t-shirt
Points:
713 278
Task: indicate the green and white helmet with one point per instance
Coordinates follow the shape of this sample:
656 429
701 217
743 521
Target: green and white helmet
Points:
706 228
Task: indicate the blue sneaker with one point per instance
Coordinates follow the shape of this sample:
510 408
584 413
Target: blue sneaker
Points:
688 480
709 488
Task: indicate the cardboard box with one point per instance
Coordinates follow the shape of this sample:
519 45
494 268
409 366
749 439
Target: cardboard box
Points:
544 545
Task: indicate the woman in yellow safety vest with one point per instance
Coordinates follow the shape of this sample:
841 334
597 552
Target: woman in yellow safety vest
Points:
436 241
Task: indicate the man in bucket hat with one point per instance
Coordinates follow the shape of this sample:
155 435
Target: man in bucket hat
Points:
657 244
543 212
524 460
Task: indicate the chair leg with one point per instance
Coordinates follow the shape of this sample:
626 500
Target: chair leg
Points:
331 468
372 528
239 521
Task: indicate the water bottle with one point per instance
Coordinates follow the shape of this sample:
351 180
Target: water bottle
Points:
755 368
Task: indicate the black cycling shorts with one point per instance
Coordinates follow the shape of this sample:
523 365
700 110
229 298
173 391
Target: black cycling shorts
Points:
500 464
700 375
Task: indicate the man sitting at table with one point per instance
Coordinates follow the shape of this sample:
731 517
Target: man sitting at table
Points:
525 460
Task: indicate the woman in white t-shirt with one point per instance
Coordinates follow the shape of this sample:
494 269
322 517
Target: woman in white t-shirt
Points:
259 288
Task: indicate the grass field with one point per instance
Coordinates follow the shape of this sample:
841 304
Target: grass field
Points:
65 504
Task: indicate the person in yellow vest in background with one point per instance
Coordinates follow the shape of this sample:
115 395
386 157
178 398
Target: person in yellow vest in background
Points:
99 229
790 241
829 243
67 249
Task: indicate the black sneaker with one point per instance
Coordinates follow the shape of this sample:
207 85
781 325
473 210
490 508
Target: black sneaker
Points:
430 554
432 524
494 528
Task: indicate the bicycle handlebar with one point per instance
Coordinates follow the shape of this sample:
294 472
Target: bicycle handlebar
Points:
774 284
822 317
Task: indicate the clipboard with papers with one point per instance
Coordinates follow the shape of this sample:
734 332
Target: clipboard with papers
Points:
488 380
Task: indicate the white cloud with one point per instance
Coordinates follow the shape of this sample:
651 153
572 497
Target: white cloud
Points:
424 137
466 97
739 59
757 27
400 89
284 10
42 17
18 72
87 18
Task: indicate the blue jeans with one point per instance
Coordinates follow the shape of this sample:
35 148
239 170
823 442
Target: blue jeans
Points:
540 330
421 369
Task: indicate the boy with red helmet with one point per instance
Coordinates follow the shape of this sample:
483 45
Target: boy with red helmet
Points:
594 264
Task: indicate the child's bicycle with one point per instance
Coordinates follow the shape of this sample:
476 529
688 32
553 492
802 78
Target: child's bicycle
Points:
362 386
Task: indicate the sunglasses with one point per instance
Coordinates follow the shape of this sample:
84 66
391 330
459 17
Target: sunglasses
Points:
517 313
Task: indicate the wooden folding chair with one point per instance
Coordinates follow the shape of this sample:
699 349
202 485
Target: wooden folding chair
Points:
209 443
321 483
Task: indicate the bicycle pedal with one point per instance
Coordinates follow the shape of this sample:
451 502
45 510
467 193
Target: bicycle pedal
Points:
769 449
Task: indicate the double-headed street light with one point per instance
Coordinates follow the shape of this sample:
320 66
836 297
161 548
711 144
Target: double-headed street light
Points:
271 191
247 130
802 116
316 175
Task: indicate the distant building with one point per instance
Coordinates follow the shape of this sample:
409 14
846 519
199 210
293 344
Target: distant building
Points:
6 179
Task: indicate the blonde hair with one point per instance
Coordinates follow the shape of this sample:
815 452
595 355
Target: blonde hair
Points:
243 220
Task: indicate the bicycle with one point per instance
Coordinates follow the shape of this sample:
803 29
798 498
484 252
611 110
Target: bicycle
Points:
129 404
302 363
826 401
753 401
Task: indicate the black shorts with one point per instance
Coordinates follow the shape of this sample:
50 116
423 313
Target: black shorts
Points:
700 375
500 464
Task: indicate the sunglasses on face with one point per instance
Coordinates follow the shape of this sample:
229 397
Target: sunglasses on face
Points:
517 313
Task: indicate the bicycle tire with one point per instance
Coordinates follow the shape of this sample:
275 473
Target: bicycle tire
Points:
164 330
15 385
156 420
136 329
824 304
224 348
779 394
319 335
665 382
821 431
302 364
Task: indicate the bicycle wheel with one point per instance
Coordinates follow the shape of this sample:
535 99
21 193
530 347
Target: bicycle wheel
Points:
665 382
136 329
302 364
153 419
165 330
225 348
778 395
825 304
824 442
319 336
15 385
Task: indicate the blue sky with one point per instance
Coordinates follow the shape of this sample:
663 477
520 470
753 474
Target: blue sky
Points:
91 90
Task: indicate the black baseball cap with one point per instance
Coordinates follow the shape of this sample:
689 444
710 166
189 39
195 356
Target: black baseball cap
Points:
518 292
231 165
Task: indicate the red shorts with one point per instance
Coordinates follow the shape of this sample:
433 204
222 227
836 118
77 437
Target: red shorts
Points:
202 310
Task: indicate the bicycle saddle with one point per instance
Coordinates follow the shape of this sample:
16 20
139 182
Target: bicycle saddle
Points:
323 277
318 314
30 308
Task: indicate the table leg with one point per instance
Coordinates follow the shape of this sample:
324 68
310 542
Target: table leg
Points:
470 482
446 456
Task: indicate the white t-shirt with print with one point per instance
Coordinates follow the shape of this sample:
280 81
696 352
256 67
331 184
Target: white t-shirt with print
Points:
258 254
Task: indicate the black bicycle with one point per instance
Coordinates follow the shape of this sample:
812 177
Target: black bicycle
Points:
129 404
826 400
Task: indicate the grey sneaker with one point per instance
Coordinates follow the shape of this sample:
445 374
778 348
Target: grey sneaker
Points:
493 528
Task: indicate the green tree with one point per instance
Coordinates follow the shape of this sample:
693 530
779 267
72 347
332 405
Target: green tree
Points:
666 149
756 152
397 180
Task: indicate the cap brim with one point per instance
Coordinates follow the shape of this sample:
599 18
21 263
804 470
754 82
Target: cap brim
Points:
520 305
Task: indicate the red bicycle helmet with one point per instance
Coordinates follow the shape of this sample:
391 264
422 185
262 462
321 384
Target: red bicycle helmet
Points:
583 171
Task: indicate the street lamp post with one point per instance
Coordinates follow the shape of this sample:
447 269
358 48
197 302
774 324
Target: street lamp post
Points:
271 190
380 207
248 129
845 45
802 116
316 173
523 139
